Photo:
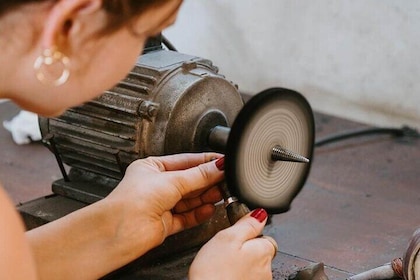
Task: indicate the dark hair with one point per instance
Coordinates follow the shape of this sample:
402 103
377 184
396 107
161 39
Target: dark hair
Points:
120 11
123 11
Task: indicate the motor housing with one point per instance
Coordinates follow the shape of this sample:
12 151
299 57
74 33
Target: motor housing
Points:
167 104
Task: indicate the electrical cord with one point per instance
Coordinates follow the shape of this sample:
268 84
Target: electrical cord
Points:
168 44
404 131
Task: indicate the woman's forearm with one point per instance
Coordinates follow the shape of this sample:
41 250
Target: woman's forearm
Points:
86 244
131 220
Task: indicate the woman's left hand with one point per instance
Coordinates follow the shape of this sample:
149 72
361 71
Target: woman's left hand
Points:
157 197
160 196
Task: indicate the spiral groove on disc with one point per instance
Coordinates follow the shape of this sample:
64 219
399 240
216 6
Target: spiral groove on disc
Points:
262 181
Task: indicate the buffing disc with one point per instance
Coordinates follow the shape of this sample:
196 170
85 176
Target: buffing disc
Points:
276 117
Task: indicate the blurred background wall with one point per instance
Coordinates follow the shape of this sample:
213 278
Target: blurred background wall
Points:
357 59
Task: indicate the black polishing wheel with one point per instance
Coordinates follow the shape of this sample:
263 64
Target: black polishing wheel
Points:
276 117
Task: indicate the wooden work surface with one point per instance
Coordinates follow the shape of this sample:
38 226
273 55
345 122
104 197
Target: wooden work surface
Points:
358 209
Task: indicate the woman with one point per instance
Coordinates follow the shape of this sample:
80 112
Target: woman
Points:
53 57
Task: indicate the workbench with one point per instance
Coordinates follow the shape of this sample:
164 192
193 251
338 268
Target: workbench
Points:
357 210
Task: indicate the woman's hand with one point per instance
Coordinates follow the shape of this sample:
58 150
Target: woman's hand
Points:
160 196
237 252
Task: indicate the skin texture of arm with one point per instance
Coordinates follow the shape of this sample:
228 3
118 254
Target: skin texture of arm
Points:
82 240
14 249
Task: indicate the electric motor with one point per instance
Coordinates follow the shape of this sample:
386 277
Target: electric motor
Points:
167 104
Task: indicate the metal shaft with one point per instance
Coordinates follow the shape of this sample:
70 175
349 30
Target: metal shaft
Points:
281 154
218 138
234 208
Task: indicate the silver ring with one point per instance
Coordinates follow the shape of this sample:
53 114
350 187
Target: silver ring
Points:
273 242
230 200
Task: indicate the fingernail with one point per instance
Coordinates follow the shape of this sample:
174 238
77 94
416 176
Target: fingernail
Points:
260 214
220 163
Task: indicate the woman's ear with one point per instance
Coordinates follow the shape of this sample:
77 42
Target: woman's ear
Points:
65 18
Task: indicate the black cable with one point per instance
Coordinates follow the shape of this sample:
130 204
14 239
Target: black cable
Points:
398 132
168 44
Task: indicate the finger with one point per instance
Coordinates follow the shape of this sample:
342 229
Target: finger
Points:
262 247
273 242
196 178
249 226
192 218
210 196
184 161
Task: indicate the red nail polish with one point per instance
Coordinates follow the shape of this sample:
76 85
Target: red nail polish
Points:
259 214
220 163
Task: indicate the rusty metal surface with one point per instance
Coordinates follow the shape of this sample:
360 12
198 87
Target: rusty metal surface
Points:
357 211
45 209
411 261
167 104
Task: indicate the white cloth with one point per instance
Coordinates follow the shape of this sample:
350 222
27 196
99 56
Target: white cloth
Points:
24 127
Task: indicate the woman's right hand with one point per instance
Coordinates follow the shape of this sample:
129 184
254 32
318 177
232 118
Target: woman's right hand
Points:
237 252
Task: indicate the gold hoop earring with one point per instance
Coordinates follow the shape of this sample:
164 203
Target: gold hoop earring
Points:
49 61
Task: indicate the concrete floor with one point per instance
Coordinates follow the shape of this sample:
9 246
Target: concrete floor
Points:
26 171
358 209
